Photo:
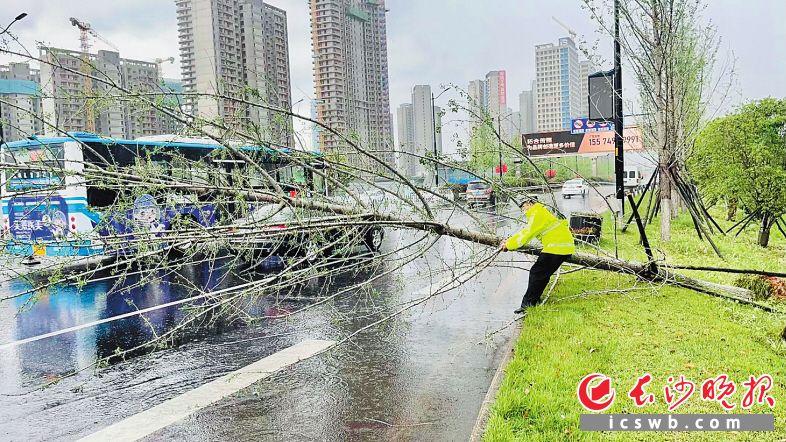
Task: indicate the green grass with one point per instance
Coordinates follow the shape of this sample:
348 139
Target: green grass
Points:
567 166
639 329
686 247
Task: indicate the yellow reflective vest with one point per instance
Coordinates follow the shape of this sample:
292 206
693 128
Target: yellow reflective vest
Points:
551 231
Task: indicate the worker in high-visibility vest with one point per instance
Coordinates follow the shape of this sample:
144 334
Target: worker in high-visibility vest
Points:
557 242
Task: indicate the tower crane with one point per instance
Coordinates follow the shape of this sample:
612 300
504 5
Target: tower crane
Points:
160 62
567 28
86 31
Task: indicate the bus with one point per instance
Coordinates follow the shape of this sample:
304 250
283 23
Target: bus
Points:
54 203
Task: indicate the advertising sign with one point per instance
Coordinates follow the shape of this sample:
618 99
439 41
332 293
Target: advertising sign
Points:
38 218
559 143
600 86
585 125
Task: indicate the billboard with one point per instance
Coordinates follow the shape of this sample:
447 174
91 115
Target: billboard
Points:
584 125
503 90
564 142
601 93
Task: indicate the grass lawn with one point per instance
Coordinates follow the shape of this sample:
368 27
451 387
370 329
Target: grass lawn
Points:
608 323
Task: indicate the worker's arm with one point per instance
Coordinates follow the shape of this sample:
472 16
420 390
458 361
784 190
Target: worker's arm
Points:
518 240
534 226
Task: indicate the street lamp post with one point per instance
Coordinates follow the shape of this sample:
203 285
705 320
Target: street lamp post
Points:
499 131
5 30
434 135
619 163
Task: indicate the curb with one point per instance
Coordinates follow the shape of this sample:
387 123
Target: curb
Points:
496 381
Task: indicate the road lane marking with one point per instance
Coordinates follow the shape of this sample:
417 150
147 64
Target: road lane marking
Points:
162 415
99 322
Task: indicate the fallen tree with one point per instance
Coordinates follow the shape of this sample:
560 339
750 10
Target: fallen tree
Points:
234 239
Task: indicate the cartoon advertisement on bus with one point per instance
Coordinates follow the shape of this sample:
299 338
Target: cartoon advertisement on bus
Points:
37 219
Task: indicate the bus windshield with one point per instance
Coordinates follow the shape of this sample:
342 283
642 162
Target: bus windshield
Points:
36 167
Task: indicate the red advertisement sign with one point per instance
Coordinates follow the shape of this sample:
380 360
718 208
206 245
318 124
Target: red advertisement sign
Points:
564 142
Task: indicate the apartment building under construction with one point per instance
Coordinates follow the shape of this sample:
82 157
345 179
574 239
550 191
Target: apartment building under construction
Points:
349 42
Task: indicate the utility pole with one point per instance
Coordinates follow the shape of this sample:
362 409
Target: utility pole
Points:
434 139
499 142
619 163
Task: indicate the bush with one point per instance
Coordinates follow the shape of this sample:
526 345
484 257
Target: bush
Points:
763 287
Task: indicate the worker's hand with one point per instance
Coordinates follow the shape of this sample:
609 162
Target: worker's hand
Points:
503 246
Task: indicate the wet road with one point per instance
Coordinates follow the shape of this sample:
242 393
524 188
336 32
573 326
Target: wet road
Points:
419 376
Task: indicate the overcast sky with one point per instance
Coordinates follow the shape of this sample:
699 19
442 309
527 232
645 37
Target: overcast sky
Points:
429 41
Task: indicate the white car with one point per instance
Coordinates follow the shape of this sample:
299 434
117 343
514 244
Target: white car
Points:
577 187
632 178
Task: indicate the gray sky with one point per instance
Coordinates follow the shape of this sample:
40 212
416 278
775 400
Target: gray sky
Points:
429 41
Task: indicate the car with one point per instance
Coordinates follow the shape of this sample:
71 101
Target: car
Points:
480 192
329 238
577 187
632 179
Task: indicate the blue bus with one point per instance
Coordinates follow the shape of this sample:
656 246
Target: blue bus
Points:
66 196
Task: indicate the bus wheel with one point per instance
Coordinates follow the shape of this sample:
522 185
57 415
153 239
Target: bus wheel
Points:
373 239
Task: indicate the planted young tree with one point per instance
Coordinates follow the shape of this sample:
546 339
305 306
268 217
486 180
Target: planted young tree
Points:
672 52
742 157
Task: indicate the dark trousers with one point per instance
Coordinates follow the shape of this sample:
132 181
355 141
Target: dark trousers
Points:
539 275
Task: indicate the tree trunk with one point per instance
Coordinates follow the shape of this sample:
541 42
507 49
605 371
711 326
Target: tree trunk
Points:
732 209
665 203
676 202
664 154
764 231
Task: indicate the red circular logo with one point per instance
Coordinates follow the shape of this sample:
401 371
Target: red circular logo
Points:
595 392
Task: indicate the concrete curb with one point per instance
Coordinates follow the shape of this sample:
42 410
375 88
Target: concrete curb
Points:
496 381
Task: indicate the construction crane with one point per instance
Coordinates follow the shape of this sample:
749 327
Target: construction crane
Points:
160 63
567 28
87 87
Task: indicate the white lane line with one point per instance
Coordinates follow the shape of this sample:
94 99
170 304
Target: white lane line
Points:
151 420
99 322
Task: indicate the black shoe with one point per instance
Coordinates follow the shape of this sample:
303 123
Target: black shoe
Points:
524 307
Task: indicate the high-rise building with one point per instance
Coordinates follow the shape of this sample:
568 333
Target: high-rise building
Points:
349 43
423 117
557 89
419 130
405 119
527 111
63 89
478 100
20 101
237 49
515 125
175 101
496 94
585 69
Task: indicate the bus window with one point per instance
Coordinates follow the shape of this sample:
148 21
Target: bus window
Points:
318 184
101 197
45 168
